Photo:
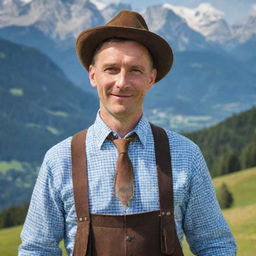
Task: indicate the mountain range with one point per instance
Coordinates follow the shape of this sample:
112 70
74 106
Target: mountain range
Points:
64 19
213 74
40 105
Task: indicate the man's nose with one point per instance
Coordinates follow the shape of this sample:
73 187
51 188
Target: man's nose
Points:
122 80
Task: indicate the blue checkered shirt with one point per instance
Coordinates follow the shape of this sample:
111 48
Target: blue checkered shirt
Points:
52 215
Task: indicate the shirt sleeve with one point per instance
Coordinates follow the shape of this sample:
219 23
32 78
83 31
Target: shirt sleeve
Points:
44 225
204 225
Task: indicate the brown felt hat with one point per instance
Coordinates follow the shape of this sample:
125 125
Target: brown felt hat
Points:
128 25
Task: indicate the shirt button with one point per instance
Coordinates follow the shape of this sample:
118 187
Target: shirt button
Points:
128 238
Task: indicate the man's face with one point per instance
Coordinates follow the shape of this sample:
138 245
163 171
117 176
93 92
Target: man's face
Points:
122 73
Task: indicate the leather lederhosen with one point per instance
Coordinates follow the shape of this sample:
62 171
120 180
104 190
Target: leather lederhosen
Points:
144 234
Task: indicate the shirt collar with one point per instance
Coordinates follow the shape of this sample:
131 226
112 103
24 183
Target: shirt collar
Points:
101 130
141 130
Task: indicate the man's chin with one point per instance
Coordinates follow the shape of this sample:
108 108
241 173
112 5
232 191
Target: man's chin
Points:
123 112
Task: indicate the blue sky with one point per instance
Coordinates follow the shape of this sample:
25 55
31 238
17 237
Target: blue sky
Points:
234 9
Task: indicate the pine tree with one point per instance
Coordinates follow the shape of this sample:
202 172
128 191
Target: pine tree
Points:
233 163
224 196
13 216
228 162
249 155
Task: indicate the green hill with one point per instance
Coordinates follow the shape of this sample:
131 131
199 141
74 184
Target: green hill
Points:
230 145
241 217
39 107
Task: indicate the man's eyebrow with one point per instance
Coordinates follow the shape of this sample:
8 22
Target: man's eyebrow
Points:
138 67
109 64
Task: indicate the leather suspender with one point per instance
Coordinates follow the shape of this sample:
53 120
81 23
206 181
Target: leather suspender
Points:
164 170
80 187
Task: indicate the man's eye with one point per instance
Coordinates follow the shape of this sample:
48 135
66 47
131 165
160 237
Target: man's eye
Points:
136 70
110 69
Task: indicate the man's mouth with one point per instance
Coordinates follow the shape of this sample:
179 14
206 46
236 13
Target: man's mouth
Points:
121 96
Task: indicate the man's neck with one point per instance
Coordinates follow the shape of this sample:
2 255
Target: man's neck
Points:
120 125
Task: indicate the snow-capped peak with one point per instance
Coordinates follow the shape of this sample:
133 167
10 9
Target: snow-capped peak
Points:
26 1
195 17
210 11
204 19
99 4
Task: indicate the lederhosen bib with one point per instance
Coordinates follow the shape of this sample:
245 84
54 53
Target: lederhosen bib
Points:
144 234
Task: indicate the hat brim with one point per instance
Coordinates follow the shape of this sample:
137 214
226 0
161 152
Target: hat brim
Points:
160 50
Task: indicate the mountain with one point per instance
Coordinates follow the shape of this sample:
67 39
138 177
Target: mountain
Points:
37 101
206 20
39 107
61 20
174 29
211 23
50 26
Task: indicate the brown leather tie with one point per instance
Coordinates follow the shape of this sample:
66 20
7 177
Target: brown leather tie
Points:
124 186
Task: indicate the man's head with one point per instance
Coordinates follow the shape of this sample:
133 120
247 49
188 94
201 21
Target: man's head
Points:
128 25
122 71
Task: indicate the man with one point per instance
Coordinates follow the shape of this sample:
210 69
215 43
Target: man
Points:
139 202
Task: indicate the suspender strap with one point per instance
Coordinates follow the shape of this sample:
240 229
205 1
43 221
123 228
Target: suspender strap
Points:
80 188
164 170
163 163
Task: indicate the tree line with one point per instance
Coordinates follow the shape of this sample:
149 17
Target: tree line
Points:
13 216
230 145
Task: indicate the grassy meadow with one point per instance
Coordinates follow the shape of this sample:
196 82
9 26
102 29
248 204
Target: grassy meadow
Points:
241 217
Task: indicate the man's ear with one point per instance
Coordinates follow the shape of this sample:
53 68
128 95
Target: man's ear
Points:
152 78
92 76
